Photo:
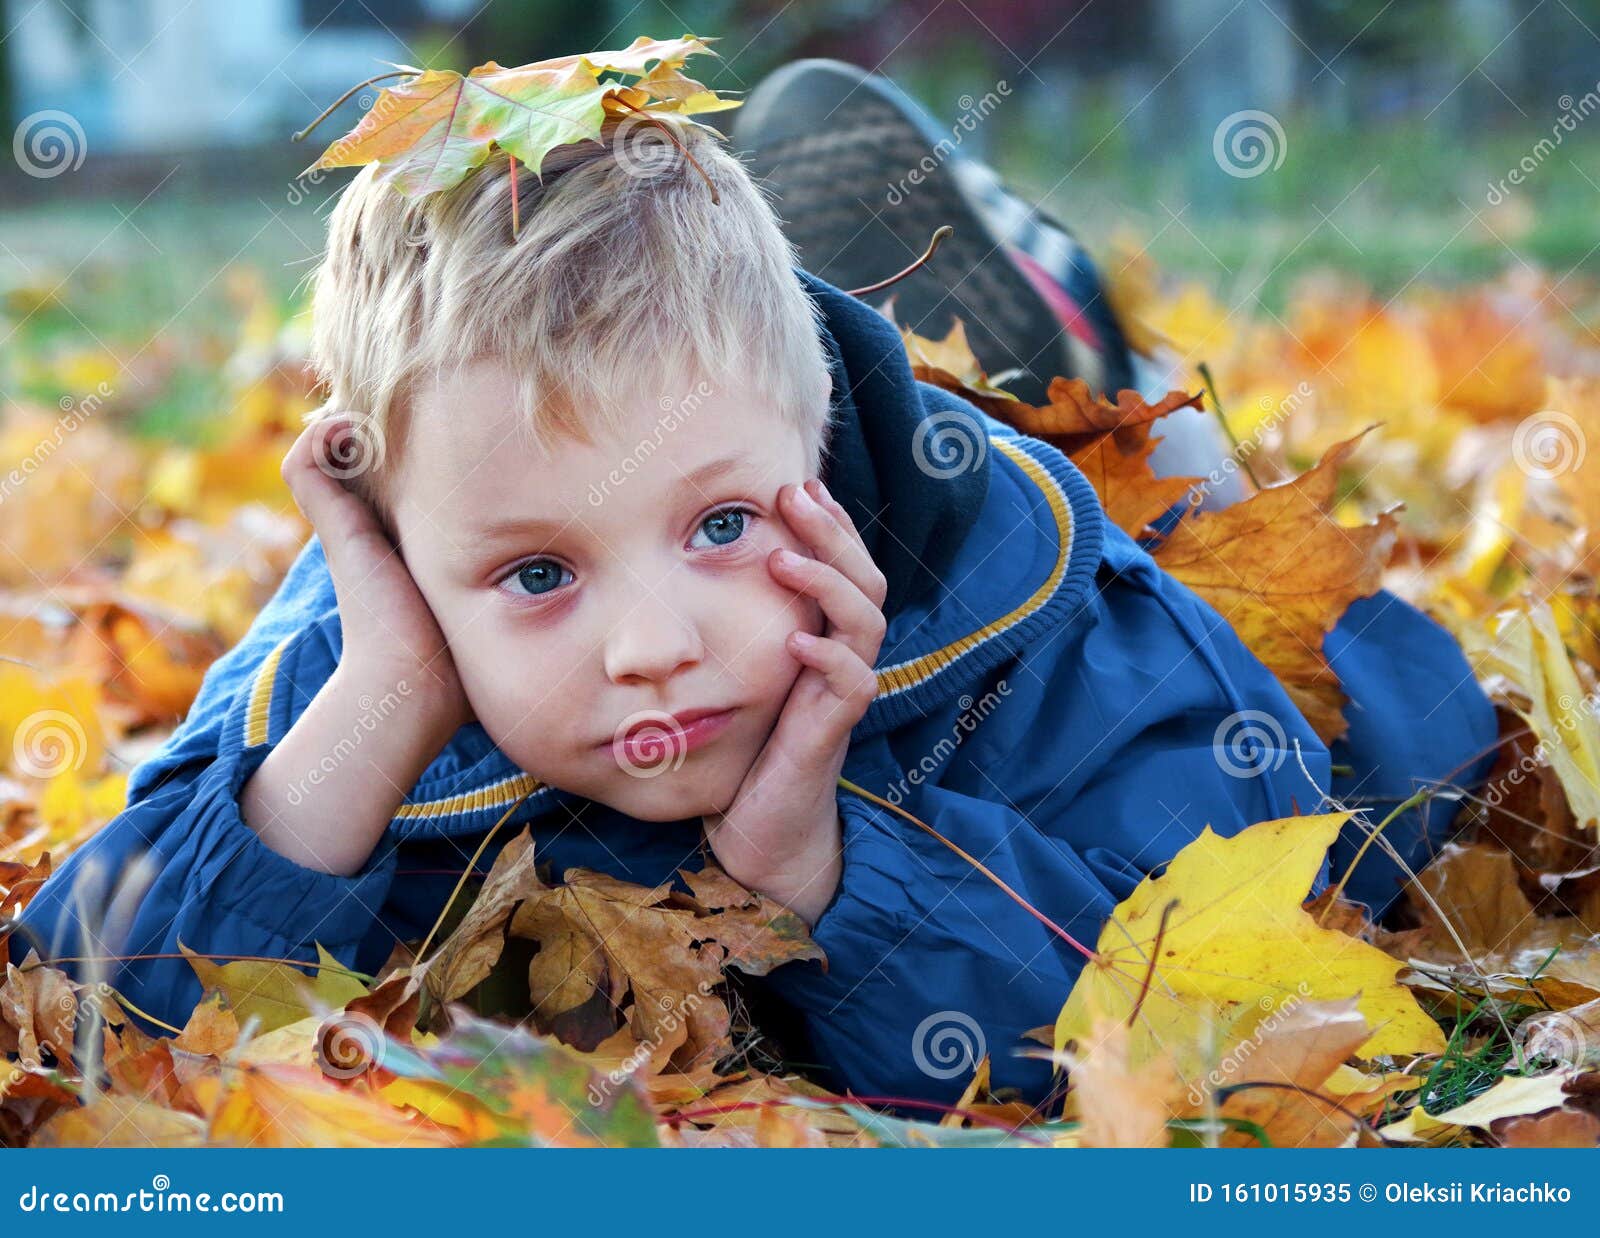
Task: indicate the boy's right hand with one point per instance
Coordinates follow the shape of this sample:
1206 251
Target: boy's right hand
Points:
390 634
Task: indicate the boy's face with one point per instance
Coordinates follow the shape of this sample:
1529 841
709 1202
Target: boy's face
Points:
601 594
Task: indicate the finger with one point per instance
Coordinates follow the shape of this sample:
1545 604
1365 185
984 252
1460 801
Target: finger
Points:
853 618
821 494
852 686
832 540
352 537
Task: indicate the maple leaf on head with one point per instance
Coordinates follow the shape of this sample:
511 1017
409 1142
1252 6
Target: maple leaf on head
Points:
429 131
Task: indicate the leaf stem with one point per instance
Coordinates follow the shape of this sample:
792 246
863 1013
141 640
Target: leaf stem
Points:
983 868
939 234
716 199
1216 407
334 106
472 864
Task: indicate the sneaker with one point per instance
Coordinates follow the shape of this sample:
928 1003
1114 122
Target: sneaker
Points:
838 148
1061 271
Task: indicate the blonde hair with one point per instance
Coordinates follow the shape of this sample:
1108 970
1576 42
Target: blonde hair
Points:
625 283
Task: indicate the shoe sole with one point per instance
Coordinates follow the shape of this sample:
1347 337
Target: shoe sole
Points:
836 149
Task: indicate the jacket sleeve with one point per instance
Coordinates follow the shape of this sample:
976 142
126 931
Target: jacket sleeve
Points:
180 865
1418 721
1098 758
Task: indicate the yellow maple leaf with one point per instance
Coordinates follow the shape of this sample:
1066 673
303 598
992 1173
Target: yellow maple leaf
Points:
1236 944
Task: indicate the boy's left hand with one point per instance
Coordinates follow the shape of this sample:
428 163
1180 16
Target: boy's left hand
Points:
781 834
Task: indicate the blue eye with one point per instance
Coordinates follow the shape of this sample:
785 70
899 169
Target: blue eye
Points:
539 576
724 527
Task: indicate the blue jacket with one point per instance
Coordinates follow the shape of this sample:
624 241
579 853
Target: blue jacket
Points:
1048 698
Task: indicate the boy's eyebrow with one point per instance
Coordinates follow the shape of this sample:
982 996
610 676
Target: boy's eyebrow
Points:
713 470
515 525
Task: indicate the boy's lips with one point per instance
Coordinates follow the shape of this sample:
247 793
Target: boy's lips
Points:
648 743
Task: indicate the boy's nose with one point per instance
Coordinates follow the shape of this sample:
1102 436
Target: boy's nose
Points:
651 642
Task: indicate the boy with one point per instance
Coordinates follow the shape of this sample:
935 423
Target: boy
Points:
548 559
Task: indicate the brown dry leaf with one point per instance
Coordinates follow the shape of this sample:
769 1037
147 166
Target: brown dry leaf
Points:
1559 1128
1122 1105
1077 417
144 1068
951 365
38 1010
1332 912
1530 816
1282 570
27 1099
1291 1062
757 933
19 882
1118 467
212 1029
1513 949
1475 887
468 955
729 1115
601 939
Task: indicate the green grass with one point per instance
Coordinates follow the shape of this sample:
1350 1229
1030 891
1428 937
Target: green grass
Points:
1389 204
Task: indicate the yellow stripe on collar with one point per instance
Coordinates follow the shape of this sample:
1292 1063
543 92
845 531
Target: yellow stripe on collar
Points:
906 675
495 795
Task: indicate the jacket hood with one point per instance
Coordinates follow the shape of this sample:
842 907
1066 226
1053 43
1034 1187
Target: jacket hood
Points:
988 539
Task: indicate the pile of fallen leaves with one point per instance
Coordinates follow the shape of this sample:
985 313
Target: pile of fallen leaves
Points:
1437 445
